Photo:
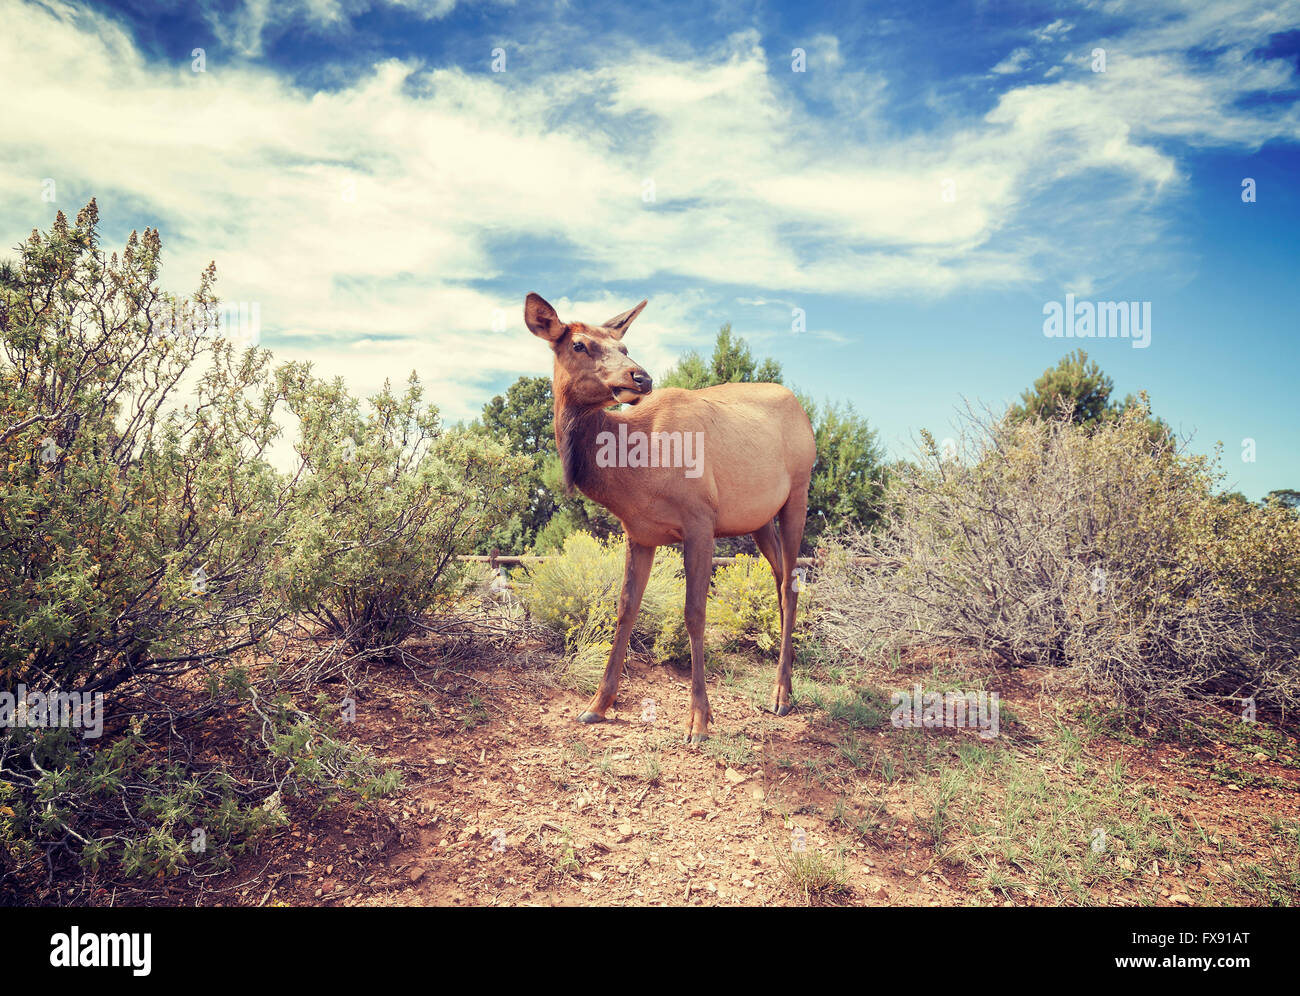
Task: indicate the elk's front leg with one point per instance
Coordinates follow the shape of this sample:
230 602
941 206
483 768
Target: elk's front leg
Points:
636 572
697 555
791 517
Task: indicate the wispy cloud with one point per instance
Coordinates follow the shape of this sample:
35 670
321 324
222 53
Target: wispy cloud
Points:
1016 62
246 26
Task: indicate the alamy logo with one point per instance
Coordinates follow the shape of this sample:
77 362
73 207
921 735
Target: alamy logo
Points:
1098 320
951 710
41 710
655 449
90 950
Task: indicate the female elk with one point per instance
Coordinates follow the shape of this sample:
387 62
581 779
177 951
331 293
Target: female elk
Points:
752 460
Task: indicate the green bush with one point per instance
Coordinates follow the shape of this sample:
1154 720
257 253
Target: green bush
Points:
127 805
575 594
149 551
386 503
135 531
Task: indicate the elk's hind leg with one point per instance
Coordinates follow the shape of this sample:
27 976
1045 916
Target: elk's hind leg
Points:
697 555
791 518
769 545
636 572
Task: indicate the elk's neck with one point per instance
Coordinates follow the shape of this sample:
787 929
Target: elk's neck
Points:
576 431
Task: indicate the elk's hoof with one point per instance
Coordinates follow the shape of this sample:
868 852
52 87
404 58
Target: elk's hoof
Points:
591 717
779 707
695 738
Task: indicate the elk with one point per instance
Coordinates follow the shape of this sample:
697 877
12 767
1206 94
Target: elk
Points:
754 462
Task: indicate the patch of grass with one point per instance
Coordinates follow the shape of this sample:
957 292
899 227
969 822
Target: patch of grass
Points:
863 824
604 766
1111 722
940 794
858 706
873 819
575 757
811 652
733 749
474 714
1025 822
567 860
1273 879
1226 774
813 875
1257 738
852 751
837 812
577 750
915 752
1263 884
651 770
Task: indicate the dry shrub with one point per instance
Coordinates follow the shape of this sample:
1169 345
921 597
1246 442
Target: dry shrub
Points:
1104 549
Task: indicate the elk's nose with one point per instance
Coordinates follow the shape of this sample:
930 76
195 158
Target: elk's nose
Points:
642 380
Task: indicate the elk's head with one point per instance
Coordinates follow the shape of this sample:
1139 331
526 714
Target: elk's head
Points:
592 368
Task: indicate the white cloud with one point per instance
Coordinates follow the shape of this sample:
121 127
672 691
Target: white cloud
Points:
1013 63
1056 29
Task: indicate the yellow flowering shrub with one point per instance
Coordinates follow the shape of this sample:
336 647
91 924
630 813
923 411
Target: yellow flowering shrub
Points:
743 605
575 593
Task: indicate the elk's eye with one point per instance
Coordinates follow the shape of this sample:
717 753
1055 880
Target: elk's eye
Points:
579 347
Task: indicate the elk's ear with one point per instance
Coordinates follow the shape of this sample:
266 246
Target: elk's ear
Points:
619 325
541 319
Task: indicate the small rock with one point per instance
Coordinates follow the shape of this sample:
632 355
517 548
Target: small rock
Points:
733 776
1181 898
415 874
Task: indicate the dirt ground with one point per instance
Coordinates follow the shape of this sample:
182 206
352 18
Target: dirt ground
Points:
507 800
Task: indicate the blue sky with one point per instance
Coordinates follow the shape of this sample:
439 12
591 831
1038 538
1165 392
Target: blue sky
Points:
937 174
